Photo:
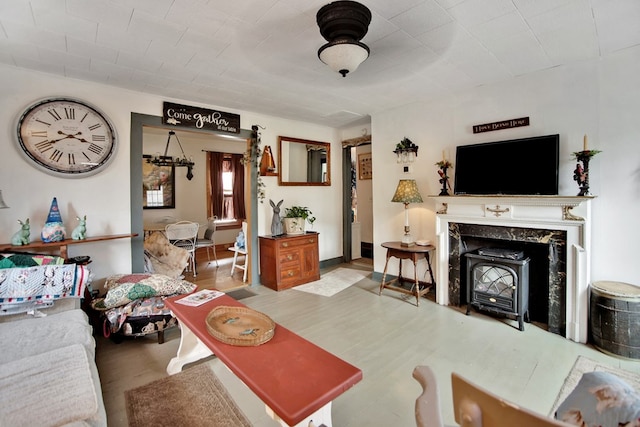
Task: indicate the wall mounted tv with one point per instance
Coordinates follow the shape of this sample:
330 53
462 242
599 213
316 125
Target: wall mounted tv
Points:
527 166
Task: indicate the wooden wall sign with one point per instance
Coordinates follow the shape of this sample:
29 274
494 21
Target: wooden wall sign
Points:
505 124
200 118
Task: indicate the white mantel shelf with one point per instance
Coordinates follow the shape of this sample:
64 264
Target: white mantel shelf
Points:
515 200
568 213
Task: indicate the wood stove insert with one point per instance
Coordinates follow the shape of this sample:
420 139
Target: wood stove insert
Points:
498 282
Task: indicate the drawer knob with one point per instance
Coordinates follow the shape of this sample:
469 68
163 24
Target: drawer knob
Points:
290 273
285 244
311 240
289 257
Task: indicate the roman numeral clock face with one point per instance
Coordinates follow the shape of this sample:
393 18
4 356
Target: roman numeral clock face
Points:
66 137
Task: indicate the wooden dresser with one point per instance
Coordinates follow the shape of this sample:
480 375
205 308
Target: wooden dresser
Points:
289 260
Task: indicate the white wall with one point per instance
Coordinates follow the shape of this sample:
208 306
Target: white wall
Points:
324 201
598 98
104 198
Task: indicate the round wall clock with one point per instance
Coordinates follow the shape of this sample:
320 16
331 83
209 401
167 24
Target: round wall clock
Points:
66 137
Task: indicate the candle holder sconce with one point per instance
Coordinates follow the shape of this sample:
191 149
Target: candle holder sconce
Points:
406 151
444 178
581 172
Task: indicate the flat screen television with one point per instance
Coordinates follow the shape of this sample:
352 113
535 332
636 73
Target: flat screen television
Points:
527 166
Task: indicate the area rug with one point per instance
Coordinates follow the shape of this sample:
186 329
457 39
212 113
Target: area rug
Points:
241 294
583 365
194 397
333 282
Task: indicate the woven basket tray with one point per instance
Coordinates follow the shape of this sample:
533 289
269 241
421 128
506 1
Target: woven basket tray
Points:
240 326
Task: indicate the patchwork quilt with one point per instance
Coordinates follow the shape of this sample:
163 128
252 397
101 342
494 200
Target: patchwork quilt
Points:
22 289
14 260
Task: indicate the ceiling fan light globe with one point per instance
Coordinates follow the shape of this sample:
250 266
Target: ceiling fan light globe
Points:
343 56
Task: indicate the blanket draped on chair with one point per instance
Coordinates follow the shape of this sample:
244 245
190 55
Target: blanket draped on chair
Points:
164 257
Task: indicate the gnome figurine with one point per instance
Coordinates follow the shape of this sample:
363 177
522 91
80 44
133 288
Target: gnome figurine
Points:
53 230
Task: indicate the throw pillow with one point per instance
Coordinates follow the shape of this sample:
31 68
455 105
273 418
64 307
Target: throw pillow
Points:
124 288
601 399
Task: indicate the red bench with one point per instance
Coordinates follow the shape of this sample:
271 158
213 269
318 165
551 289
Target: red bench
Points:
296 379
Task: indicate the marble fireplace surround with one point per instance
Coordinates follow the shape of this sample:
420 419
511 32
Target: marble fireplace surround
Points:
562 222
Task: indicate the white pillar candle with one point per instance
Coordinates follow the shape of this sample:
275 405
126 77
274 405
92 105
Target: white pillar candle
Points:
585 145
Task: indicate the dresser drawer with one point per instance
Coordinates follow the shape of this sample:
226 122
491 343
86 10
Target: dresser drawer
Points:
289 256
295 243
289 275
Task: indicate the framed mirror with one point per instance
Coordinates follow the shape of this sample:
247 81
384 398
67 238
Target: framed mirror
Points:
303 162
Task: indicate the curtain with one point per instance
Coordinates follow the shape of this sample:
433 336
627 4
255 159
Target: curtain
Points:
237 168
214 160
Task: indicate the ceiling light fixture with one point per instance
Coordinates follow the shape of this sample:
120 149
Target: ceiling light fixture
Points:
171 161
343 24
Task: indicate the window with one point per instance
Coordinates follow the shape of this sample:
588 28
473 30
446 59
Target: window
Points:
226 186
227 191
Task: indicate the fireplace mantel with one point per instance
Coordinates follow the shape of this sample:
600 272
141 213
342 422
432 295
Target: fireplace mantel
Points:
571 214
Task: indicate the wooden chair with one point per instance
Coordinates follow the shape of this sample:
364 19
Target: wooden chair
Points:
183 234
473 406
208 240
240 251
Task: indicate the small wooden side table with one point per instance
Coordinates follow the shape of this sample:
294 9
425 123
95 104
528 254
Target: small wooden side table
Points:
414 253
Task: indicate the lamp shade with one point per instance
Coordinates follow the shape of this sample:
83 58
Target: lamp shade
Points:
407 192
343 56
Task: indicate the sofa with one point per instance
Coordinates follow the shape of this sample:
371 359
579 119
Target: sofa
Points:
48 375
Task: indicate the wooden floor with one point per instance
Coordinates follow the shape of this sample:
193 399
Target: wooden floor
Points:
386 336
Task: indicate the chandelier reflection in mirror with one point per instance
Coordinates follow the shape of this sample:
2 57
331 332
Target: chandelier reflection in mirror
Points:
166 160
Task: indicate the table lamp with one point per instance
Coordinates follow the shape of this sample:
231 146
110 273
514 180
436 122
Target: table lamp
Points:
407 192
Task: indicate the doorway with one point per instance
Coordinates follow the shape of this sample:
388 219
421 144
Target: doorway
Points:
357 201
138 123
191 199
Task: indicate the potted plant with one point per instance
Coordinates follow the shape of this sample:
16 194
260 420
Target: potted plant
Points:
295 218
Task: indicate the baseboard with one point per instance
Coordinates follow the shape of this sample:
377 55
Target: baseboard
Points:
331 262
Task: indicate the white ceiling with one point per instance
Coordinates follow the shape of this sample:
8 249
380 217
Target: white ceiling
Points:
261 55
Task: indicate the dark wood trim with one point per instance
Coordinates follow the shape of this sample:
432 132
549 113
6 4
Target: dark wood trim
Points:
347 256
229 225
